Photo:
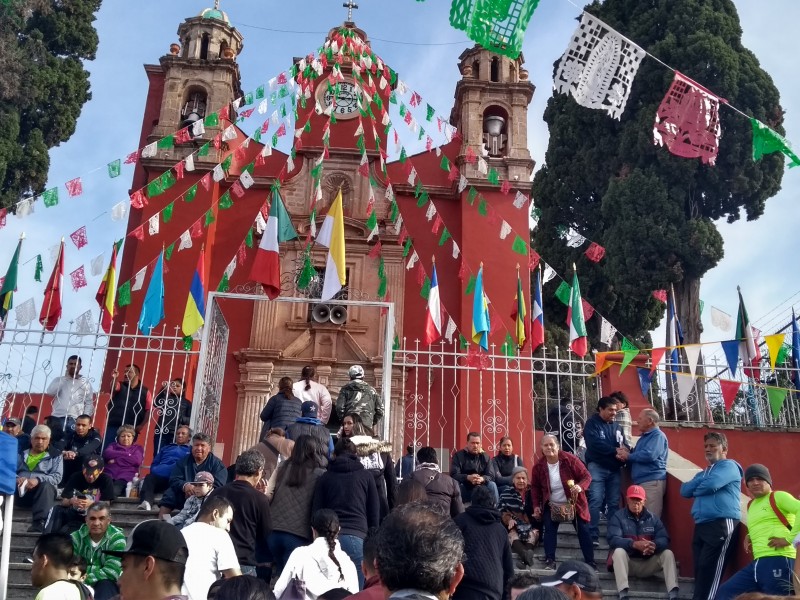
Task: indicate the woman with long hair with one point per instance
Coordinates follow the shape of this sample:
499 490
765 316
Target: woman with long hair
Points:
522 531
309 390
559 482
322 565
292 489
282 409
352 424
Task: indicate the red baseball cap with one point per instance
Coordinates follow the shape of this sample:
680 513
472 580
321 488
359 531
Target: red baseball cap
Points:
636 491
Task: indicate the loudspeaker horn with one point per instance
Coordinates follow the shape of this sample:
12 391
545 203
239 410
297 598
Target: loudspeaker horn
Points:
321 313
338 315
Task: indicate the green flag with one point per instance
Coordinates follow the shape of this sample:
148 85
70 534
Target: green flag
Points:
578 340
9 284
629 352
767 141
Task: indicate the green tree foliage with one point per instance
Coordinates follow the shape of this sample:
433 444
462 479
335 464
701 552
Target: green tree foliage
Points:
43 85
655 212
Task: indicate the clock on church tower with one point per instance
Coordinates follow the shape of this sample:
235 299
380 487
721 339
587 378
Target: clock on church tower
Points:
342 96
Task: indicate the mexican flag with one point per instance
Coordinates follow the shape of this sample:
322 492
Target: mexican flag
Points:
267 264
578 341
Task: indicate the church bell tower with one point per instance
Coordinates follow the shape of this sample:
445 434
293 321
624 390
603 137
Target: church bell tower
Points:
200 74
491 112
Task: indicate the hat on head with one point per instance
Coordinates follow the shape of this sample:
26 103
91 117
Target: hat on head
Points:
13 420
356 372
636 491
516 470
155 538
204 477
308 408
94 462
573 572
757 470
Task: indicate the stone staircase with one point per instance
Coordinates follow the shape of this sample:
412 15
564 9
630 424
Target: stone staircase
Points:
569 549
124 514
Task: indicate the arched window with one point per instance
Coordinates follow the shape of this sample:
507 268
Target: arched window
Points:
476 69
494 72
185 48
194 108
204 47
512 70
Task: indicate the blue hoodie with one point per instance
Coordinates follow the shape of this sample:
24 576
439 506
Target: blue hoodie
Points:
649 459
602 440
716 492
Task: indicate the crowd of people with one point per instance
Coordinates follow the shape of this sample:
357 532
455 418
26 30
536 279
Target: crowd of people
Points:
299 516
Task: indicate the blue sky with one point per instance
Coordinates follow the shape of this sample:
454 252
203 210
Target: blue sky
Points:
415 39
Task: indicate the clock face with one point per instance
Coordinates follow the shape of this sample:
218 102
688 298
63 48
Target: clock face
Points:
345 105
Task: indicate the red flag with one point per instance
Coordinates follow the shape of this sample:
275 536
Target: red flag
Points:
729 390
52 307
660 295
595 252
656 354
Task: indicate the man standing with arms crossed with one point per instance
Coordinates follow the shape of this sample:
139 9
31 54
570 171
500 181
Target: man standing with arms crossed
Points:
72 395
716 512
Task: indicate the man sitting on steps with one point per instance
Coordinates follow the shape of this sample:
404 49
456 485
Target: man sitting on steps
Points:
638 542
91 541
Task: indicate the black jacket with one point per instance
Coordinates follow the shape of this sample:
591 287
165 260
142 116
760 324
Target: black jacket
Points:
503 466
489 565
128 405
624 529
83 446
441 489
602 440
464 463
251 523
348 489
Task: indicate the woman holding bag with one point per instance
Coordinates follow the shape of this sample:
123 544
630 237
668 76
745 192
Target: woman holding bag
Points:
559 481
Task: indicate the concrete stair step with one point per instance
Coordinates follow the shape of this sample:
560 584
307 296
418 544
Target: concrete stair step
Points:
653 586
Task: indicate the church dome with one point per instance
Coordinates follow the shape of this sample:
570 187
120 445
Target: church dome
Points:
215 13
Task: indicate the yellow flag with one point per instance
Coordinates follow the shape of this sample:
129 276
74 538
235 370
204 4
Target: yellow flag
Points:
774 343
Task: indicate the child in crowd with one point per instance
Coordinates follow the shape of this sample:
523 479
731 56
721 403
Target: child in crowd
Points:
203 484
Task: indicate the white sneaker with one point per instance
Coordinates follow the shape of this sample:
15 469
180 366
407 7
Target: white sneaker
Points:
145 505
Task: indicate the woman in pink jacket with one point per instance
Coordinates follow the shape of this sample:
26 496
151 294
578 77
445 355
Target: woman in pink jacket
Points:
123 459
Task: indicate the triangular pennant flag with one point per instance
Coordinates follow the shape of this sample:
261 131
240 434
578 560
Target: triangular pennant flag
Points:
645 380
776 397
731 350
685 386
729 388
600 363
656 354
774 343
692 357
629 352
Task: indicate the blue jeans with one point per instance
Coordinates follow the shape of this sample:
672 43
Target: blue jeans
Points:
551 536
353 546
281 545
603 490
771 575
466 491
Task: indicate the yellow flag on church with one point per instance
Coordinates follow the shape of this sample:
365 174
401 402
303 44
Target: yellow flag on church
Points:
331 235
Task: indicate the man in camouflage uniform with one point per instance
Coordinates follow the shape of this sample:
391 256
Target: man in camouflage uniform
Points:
359 397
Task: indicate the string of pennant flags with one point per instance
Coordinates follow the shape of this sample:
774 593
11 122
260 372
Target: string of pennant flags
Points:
164 182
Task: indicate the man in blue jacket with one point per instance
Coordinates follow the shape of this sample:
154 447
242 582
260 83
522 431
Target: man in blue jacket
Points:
648 461
639 545
161 468
716 512
603 438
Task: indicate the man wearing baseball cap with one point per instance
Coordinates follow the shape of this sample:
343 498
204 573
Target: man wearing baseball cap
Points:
639 545
153 562
13 427
308 424
577 580
773 521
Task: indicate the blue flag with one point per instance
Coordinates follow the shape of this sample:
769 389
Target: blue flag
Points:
795 353
480 314
153 307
